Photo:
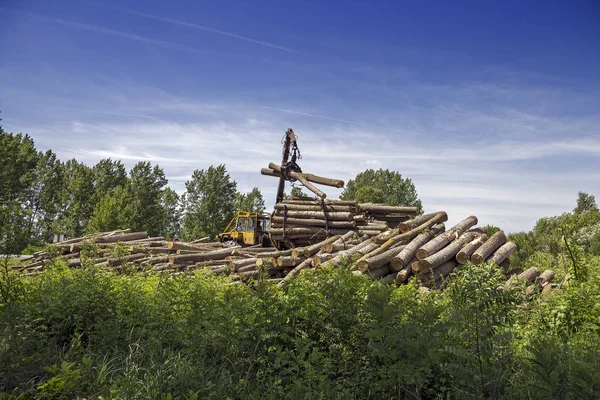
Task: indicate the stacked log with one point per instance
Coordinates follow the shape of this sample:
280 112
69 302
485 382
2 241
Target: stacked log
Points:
300 222
417 248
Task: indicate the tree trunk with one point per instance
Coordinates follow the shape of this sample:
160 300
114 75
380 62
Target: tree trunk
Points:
464 255
393 236
493 243
211 255
278 221
124 237
349 253
383 209
378 260
530 274
443 239
333 216
378 272
445 254
545 278
408 253
289 261
236 264
113 262
412 223
310 250
503 252
317 207
293 273
337 183
405 273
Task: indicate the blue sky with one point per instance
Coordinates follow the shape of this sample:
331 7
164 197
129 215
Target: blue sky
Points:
490 107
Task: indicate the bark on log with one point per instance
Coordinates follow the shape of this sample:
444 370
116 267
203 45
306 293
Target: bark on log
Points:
294 272
412 223
113 262
378 260
211 255
442 240
546 277
347 254
394 235
333 216
318 202
446 254
404 273
310 250
530 274
433 276
390 278
236 264
383 209
408 253
464 255
337 183
503 252
278 221
124 237
318 259
289 261
484 252
317 207
378 272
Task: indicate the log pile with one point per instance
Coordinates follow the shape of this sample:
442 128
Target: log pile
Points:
300 222
420 247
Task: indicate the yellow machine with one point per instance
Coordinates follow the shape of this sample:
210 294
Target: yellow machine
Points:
247 229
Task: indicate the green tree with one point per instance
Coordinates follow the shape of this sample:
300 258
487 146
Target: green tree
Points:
77 199
18 163
171 203
296 192
252 201
112 212
585 202
382 186
108 175
209 202
146 185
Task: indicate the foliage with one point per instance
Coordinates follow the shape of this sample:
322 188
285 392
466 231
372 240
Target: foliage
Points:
329 334
252 201
381 186
585 202
146 185
112 212
208 203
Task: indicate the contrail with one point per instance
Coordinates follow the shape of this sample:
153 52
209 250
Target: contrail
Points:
126 35
195 26
311 115
89 111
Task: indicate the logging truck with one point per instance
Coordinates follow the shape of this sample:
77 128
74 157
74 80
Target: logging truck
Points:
247 229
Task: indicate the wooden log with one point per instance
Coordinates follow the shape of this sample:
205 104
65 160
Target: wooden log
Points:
342 240
305 232
512 272
311 250
149 250
211 255
446 254
312 201
503 252
332 216
277 221
433 276
390 278
378 272
337 183
318 259
408 253
124 237
443 239
405 273
113 262
393 236
384 209
316 207
484 252
294 272
464 255
276 253
545 278
234 265
186 246
289 261
378 260
413 223
348 253
529 275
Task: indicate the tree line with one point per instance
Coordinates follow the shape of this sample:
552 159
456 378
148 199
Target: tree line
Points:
42 196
